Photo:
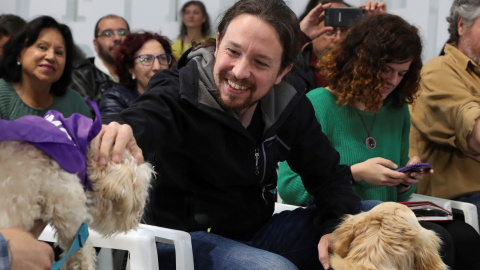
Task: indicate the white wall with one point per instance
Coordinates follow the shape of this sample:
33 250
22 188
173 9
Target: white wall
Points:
162 16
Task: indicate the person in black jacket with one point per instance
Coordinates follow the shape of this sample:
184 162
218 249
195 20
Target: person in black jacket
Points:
92 76
215 129
137 59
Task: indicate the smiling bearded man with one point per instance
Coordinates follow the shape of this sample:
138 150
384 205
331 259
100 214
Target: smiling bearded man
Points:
216 128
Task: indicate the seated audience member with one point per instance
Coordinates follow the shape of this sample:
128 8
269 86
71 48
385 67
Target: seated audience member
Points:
446 116
306 67
35 72
137 59
21 250
93 76
9 25
215 129
374 72
195 27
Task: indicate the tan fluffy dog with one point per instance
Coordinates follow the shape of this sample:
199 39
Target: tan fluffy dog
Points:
33 186
388 237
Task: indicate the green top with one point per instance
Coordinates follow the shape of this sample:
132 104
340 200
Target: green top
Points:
12 107
347 133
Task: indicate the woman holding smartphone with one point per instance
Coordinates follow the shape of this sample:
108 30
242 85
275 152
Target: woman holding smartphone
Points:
374 72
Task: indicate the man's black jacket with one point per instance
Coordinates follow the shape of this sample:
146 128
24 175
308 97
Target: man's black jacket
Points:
212 173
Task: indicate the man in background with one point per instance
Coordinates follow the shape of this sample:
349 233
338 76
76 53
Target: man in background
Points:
92 76
446 116
9 25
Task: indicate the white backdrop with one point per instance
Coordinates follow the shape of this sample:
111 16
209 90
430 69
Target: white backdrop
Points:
162 16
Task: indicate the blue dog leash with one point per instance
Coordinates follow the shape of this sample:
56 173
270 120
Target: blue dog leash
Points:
78 243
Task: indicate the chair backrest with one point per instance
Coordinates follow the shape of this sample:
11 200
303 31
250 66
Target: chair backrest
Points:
180 239
140 243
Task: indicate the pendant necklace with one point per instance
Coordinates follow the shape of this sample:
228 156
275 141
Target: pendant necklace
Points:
370 141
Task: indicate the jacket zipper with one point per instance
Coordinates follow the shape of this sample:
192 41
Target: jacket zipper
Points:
257 157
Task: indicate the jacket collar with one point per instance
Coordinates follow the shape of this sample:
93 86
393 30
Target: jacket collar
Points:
98 62
461 58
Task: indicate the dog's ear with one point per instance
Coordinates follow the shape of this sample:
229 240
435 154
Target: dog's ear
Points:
426 255
344 235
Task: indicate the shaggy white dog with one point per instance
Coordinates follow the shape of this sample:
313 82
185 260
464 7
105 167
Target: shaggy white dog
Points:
33 186
388 237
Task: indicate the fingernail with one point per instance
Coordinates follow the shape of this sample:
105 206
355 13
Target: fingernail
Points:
116 158
102 161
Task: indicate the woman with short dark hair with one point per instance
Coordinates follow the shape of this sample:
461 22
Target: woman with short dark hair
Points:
36 69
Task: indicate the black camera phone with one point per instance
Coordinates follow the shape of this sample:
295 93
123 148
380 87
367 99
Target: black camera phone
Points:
343 16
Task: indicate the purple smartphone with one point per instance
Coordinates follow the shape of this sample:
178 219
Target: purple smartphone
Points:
415 167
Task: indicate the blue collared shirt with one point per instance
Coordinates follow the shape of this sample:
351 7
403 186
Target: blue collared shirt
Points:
4 259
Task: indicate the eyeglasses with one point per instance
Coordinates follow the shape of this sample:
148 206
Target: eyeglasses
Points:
149 59
110 33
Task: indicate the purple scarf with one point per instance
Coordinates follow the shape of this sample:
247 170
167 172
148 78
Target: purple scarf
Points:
64 139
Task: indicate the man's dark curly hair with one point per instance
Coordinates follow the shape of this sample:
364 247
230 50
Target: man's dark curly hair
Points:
355 65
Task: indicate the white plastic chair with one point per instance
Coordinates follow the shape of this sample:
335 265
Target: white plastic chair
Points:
279 207
180 239
183 245
468 210
140 243
183 241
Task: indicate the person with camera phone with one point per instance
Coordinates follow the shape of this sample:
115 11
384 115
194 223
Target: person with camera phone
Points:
306 67
374 74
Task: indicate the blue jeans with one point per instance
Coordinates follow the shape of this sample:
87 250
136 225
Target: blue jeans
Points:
367 205
287 241
472 198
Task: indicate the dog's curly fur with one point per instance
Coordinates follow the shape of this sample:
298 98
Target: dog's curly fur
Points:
388 237
33 186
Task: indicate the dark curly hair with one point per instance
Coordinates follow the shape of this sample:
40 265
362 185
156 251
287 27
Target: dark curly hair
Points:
26 37
125 53
355 65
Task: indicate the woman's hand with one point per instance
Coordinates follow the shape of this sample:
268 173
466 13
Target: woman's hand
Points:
412 178
310 25
324 247
377 172
374 8
118 136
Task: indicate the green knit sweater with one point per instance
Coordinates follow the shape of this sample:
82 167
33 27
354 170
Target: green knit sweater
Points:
347 133
12 107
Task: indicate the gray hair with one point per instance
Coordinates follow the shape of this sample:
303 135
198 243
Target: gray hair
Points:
468 10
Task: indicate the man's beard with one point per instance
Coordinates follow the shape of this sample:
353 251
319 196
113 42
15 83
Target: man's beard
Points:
105 53
232 101
470 52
